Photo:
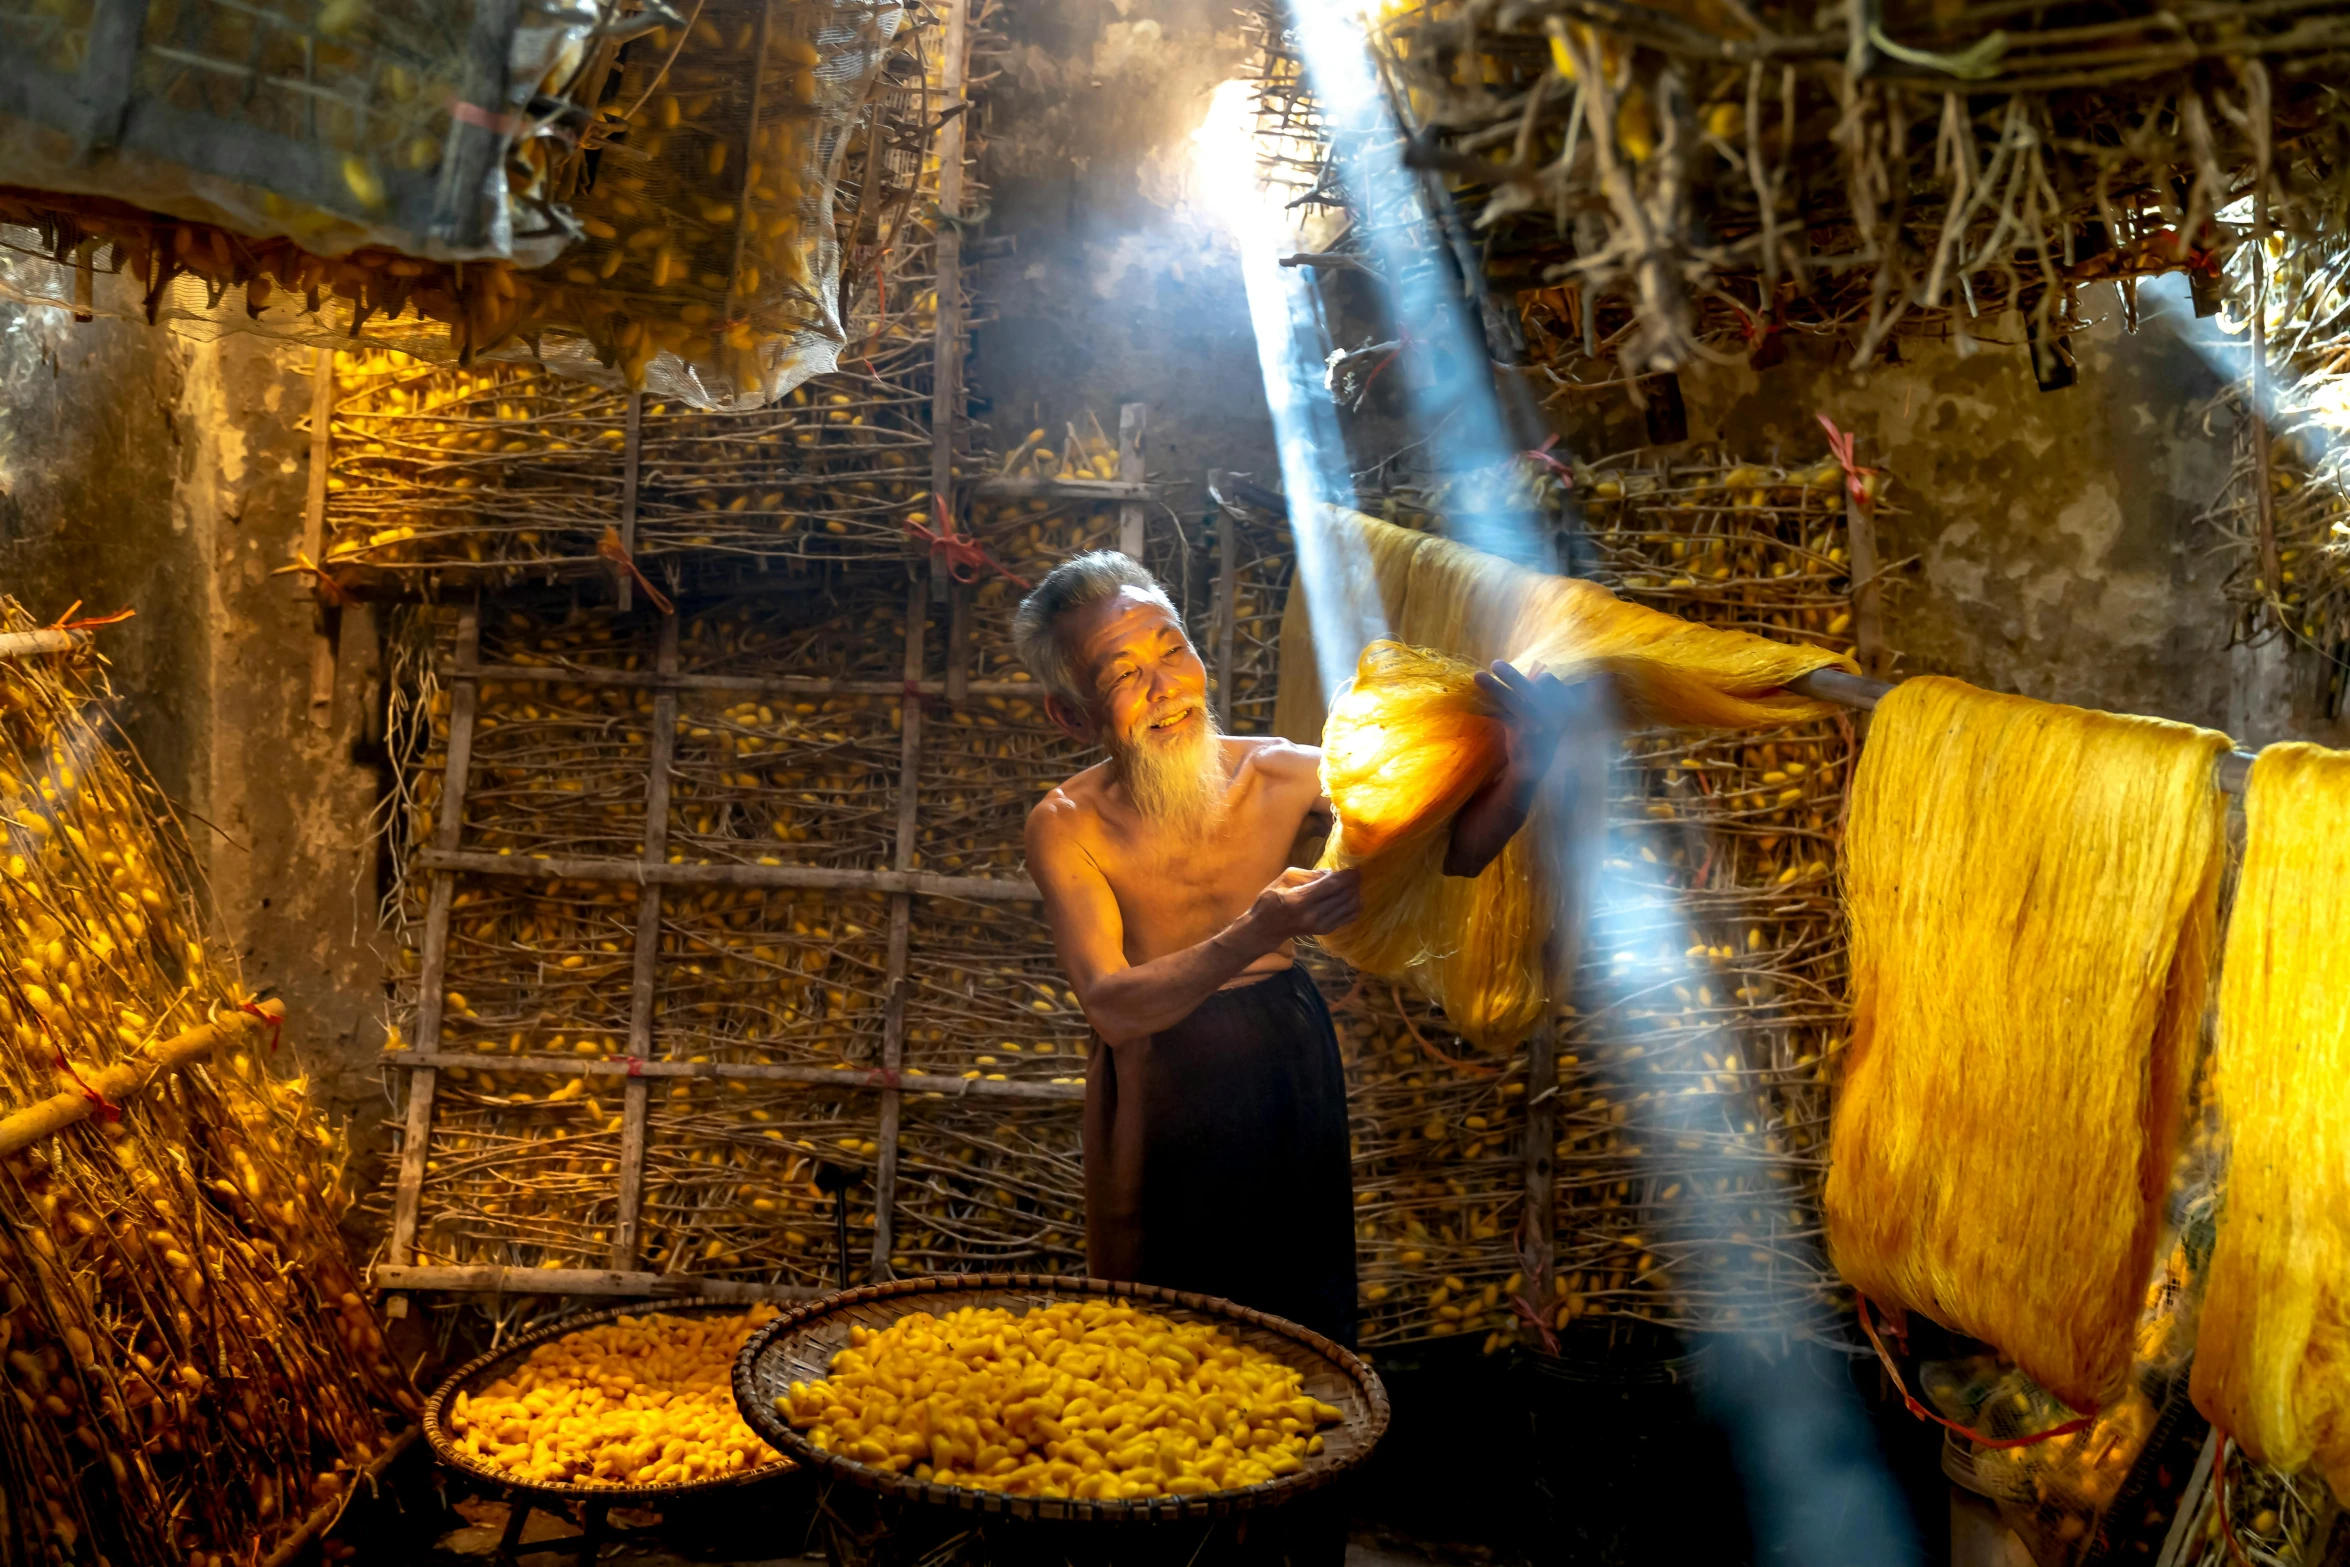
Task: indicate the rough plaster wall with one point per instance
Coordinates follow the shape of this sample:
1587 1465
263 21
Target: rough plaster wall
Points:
89 446
1121 288
136 469
2051 536
293 873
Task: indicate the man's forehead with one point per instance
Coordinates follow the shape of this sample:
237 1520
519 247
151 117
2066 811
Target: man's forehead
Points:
1124 617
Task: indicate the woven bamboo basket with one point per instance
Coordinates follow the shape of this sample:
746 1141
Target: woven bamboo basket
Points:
799 1346
482 1370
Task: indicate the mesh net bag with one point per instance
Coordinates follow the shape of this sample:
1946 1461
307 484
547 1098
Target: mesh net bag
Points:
413 125
705 265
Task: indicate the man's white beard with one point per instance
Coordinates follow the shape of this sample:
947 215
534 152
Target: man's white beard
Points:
1175 783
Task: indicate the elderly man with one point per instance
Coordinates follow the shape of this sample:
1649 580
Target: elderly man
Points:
1216 1153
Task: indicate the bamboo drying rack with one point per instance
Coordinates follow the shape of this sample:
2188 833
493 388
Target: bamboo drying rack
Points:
937 597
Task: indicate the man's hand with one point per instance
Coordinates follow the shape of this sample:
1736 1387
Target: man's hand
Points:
1534 709
1306 903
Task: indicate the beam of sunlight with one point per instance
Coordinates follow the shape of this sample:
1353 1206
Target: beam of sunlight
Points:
1292 341
1441 358
1816 1491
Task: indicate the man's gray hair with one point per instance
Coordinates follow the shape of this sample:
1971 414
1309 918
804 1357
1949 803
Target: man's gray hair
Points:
1075 584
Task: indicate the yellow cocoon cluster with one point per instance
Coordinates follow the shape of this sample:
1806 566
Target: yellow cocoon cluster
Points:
1412 738
1090 1399
2272 1355
2032 892
637 1401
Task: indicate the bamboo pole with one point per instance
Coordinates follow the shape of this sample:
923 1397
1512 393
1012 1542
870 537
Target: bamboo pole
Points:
1541 1226
631 462
946 368
580 1281
49 639
1863 694
125 1079
323 1517
433 959
1008 487
1133 418
986 889
853 1079
645 974
901 920
325 622
779 685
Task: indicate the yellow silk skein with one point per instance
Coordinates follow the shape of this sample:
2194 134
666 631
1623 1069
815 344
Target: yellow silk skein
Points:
2032 891
1412 738
2272 1354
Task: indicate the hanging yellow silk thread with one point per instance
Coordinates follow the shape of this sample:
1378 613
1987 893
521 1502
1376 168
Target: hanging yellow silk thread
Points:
1466 604
2032 892
1412 738
2272 1355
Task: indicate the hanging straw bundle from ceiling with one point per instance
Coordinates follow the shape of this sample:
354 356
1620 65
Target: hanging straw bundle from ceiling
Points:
2272 1356
1700 178
2032 893
1413 738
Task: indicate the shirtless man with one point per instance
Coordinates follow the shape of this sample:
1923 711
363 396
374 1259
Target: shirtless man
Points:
1216 1154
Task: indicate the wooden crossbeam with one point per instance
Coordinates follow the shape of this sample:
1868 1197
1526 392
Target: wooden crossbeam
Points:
847 1078
567 867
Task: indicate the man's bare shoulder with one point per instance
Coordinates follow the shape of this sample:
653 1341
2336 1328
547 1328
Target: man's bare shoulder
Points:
1281 759
1068 809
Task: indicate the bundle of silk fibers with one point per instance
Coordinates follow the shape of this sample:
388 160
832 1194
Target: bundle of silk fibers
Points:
2032 892
1663 671
1413 738
2272 1355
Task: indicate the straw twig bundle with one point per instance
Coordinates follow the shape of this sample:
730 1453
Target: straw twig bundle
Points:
191 1368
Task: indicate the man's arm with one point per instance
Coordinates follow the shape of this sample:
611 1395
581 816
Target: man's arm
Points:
1127 1001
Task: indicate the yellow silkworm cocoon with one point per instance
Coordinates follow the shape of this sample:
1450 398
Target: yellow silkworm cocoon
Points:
2032 892
2272 1354
636 1401
1093 1399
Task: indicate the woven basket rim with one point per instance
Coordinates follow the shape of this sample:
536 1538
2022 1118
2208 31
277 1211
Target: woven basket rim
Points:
481 1367
1319 1472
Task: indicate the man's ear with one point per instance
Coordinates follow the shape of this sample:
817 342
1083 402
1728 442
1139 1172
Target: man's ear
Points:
1070 720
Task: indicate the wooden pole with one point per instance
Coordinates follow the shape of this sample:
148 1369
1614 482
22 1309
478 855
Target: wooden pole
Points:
780 685
983 889
645 977
1133 418
847 1078
1860 549
125 1079
1227 606
901 920
631 455
946 370
2264 484
49 639
432 967
1541 1172
581 1281
324 621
